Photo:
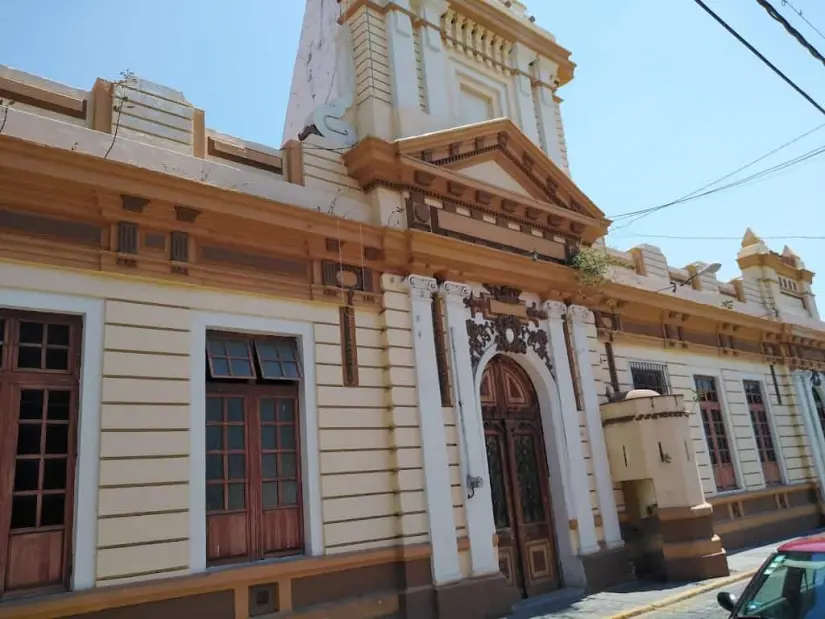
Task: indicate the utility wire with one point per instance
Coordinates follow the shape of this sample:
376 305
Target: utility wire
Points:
759 55
777 16
805 19
798 237
695 196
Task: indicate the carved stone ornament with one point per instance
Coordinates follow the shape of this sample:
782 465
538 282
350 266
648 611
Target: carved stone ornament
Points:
555 309
505 294
422 288
456 293
580 313
507 334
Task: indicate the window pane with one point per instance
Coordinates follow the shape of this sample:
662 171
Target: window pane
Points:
289 489
57 358
268 437
24 512
234 409
288 468
28 357
57 438
214 497
31 404
237 466
285 410
236 438
58 405
241 367
237 496
287 437
269 466
290 370
31 332
220 367
266 351
28 439
26 475
53 510
214 467
57 335
214 438
54 474
237 348
270 494
267 410
271 369
214 409
286 351
216 347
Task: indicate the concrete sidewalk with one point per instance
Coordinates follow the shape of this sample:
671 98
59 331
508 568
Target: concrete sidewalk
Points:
634 599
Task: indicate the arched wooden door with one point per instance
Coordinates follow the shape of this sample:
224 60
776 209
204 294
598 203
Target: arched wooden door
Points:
519 481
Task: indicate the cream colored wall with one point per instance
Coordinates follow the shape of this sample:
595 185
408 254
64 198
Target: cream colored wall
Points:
370 444
682 367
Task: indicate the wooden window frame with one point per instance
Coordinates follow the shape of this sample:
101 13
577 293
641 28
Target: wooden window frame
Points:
13 381
253 357
716 434
256 523
762 431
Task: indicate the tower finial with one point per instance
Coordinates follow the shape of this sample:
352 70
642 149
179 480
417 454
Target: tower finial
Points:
750 238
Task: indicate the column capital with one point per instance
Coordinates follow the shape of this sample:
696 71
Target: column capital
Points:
554 309
421 288
579 313
455 292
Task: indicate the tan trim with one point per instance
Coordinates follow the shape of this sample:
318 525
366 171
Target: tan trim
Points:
774 261
294 162
43 98
694 548
749 522
736 497
683 513
284 595
199 134
242 601
102 102
244 154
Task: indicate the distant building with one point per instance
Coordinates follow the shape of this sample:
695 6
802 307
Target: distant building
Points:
366 374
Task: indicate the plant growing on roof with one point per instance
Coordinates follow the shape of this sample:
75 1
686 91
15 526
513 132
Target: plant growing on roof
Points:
592 264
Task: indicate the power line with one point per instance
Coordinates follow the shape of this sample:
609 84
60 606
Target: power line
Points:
636 215
797 237
805 19
759 55
777 16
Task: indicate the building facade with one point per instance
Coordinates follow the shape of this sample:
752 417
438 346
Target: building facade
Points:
440 411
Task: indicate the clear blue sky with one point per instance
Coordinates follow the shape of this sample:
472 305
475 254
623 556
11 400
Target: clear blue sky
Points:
664 100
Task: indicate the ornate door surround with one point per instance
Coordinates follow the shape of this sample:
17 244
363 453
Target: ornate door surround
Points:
519 479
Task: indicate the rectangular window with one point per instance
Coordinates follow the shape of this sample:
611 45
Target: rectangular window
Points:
820 409
762 432
649 376
253 472
39 381
717 436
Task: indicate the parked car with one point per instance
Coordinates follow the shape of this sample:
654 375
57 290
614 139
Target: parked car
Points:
789 585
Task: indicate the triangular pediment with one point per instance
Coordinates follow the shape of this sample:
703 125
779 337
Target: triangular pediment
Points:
524 168
493 174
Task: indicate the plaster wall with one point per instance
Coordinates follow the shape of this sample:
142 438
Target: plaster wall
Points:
368 480
787 425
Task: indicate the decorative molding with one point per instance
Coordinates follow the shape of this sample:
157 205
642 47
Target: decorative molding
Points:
507 334
505 294
422 288
554 309
580 313
456 293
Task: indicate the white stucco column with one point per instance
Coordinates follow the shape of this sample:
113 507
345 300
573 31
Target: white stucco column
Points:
433 437
403 66
807 409
576 468
434 59
521 57
581 320
545 71
480 522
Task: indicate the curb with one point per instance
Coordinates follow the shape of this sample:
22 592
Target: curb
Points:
641 610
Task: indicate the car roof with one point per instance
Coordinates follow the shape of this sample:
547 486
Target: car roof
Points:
811 543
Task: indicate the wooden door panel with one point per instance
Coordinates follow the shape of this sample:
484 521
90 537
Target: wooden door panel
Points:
35 560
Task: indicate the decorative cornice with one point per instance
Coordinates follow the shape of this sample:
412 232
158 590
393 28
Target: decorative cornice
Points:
455 292
422 288
579 313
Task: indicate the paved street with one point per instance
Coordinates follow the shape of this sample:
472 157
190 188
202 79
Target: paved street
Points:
574 605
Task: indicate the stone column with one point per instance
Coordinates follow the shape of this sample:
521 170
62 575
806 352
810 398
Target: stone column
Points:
480 523
445 564
403 66
545 73
581 321
578 500
434 59
807 409
521 57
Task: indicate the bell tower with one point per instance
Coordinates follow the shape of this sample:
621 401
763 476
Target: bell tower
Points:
397 69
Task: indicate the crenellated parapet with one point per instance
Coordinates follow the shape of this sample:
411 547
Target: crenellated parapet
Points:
772 285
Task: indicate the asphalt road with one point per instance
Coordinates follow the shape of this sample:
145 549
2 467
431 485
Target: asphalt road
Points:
703 606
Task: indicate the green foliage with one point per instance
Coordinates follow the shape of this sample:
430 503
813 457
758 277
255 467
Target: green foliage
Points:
592 264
